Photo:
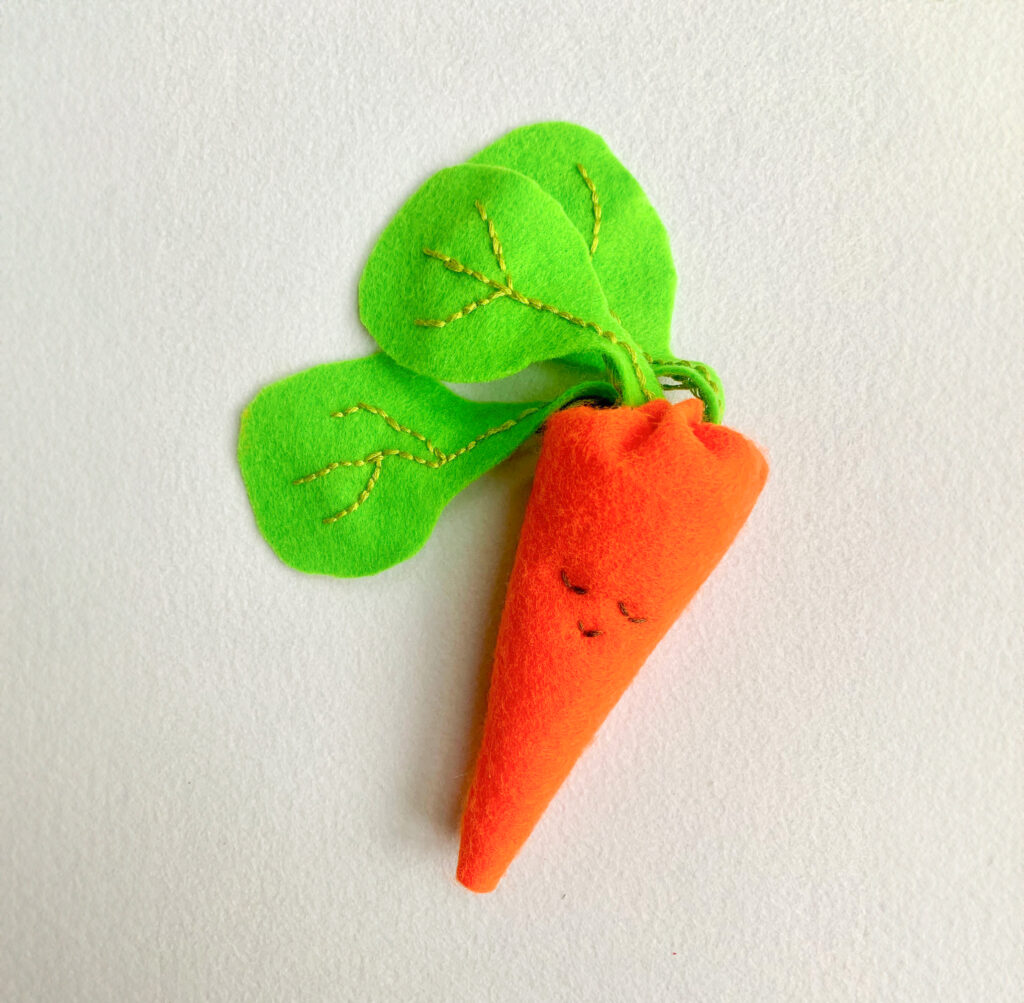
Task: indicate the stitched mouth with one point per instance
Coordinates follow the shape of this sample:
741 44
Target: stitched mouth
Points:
631 619
588 633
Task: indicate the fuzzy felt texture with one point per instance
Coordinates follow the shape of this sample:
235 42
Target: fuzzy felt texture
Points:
480 274
348 465
628 243
630 511
489 267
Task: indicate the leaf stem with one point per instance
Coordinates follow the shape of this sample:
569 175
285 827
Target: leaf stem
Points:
700 379
633 373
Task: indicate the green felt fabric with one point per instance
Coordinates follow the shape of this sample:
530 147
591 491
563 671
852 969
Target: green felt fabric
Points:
480 274
696 377
542 247
631 254
391 484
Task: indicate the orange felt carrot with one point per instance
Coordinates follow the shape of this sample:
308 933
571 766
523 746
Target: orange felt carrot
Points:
631 509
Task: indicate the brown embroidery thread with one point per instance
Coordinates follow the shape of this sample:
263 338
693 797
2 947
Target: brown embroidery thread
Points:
632 619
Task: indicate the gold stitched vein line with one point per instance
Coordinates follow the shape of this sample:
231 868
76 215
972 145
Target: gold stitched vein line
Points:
597 206
441 458
499 252
453 264
580 322
465 311
491 431
378 456
382 414
373 457
457 266
363 495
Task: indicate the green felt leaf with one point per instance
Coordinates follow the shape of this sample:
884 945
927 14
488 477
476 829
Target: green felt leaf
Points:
480 274
630 246
348 465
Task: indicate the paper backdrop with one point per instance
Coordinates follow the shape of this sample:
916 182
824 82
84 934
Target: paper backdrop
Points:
222 779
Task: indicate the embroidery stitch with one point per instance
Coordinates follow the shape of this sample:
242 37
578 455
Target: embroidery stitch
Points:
457 266
597 209
440 458
467 309
499 252
363 495
390 421
632 619
453 264
580 590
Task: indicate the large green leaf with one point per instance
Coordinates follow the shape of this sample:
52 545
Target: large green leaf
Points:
480 274
349 465
630 247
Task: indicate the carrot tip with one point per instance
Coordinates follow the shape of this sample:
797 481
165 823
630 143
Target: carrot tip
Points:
479 883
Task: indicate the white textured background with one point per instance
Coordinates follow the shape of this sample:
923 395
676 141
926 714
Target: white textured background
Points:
224 780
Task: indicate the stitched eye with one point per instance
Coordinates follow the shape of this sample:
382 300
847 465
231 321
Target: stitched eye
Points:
588 633
578 589
631 619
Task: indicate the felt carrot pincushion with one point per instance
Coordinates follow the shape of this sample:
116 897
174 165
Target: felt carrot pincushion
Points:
542 247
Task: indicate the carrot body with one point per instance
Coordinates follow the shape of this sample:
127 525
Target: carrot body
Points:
630 511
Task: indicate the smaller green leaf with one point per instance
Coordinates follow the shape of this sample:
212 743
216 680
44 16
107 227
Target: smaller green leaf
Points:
349 465
481 274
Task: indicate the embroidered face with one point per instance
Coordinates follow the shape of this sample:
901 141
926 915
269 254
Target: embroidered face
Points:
620 606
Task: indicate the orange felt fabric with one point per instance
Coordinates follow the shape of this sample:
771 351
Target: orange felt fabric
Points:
630 511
